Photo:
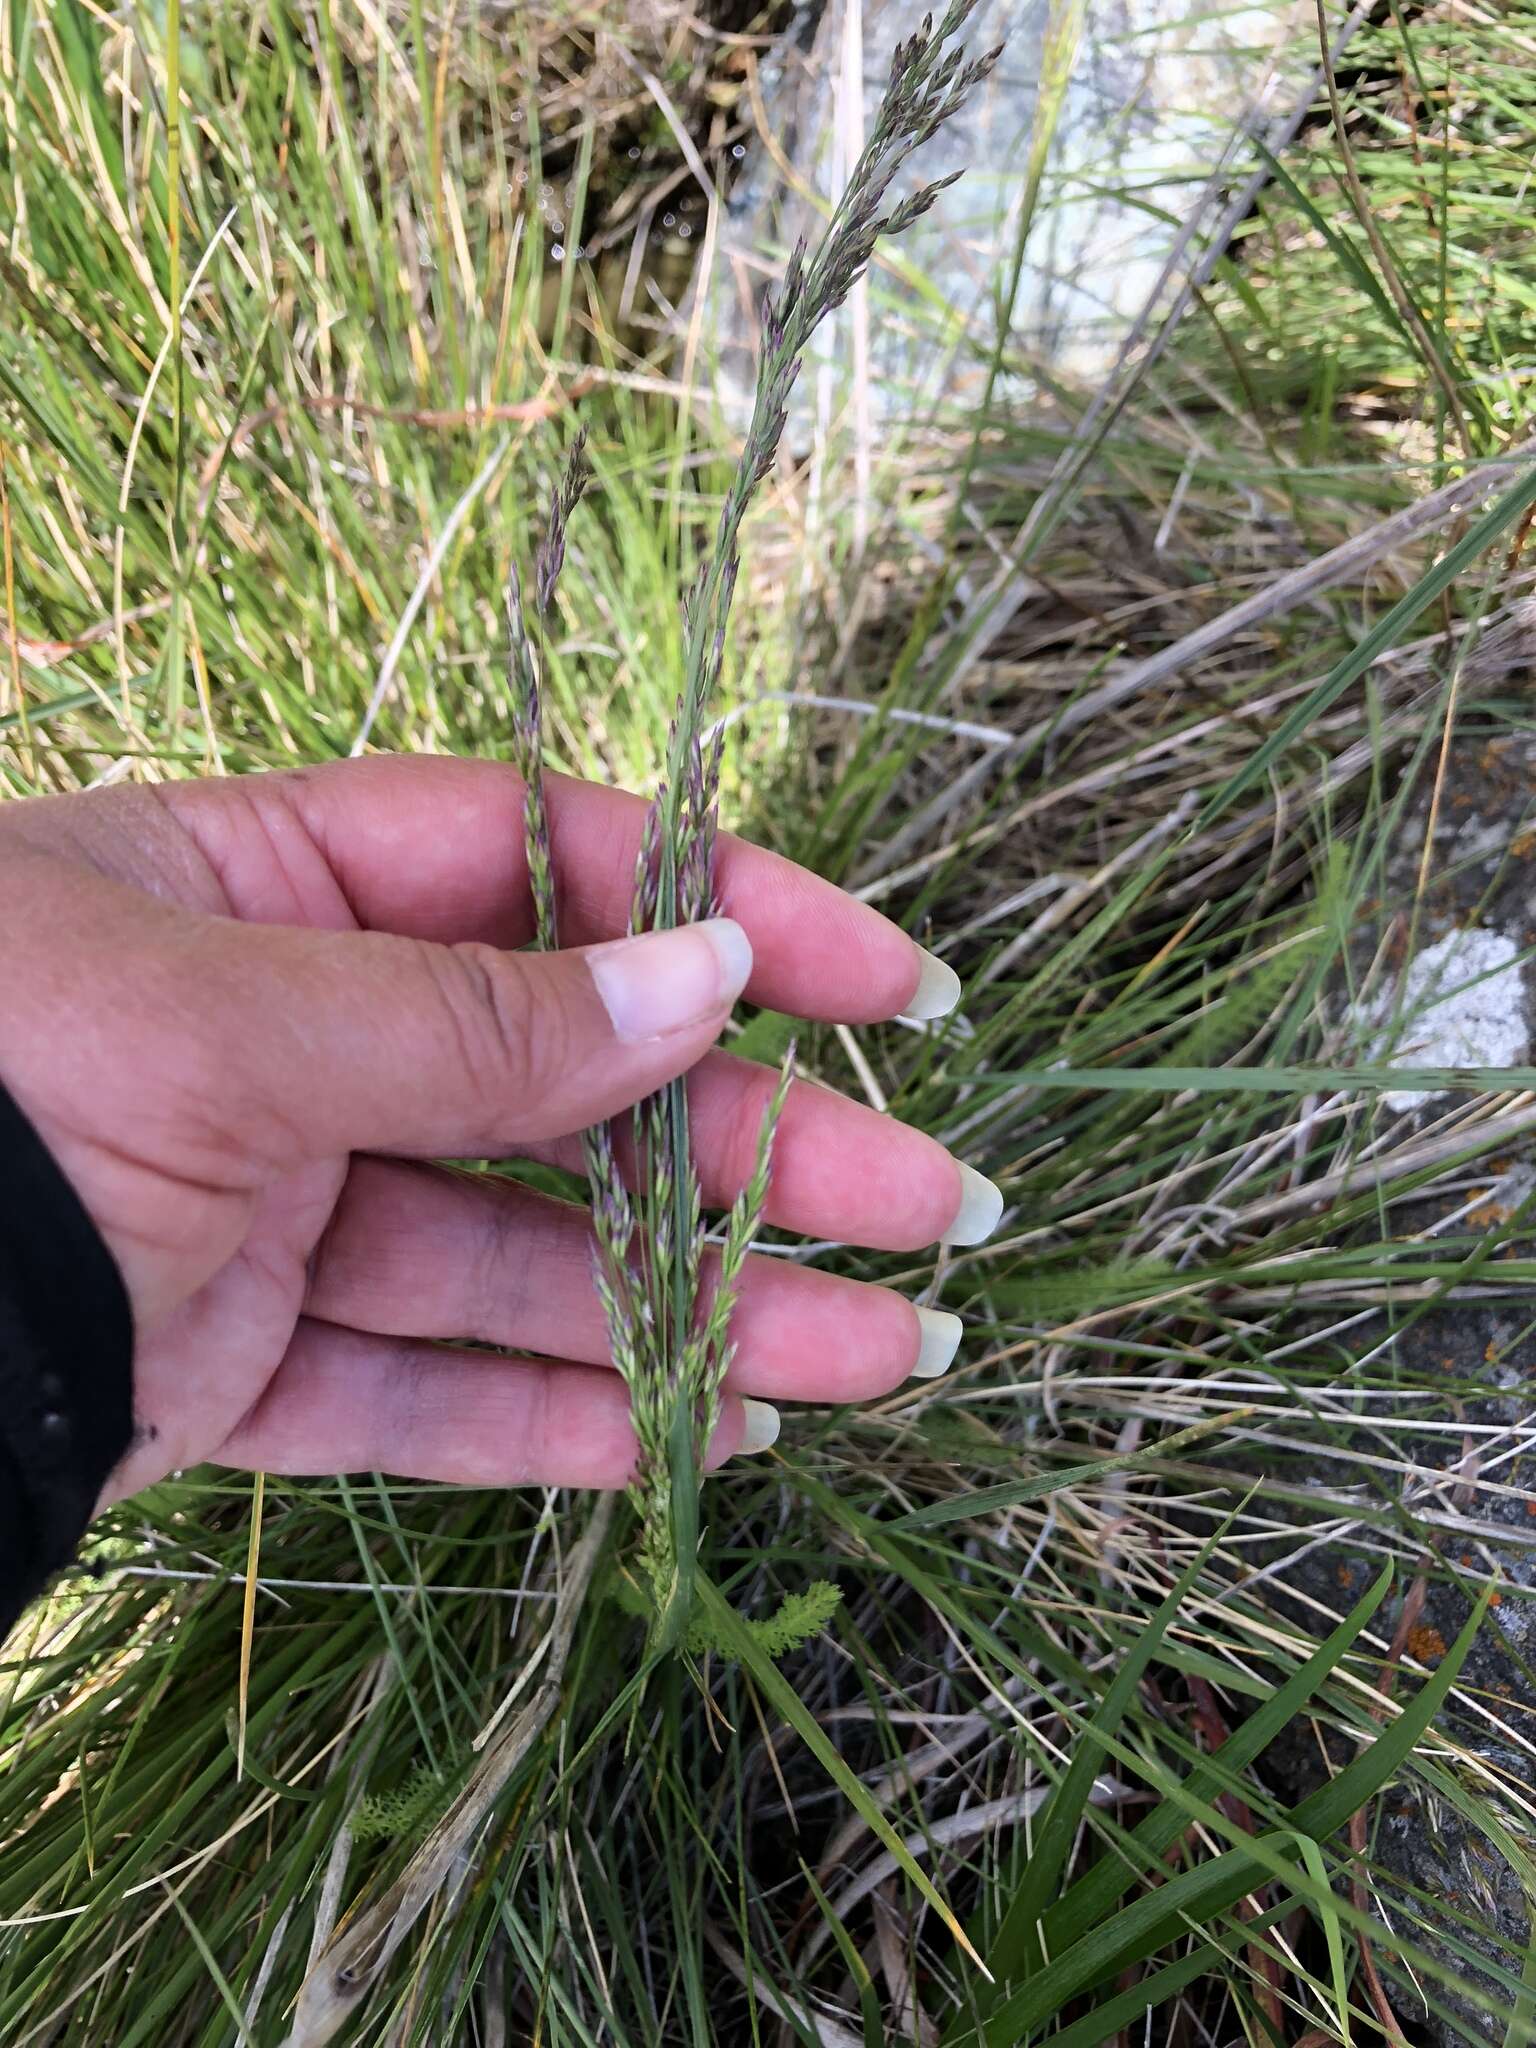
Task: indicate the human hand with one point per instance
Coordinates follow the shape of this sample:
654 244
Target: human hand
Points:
245 1014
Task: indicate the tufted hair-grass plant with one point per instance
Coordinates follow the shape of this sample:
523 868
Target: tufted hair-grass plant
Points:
669 1334
1079 1721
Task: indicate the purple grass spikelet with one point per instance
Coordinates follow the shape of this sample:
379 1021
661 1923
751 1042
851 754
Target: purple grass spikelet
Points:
668 1328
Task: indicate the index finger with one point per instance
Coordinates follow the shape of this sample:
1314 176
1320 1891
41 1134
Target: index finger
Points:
431 847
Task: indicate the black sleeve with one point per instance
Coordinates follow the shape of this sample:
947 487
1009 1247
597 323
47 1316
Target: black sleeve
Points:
66 1365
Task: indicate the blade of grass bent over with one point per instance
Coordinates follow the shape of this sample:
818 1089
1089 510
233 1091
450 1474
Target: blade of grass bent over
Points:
737 1640
1018 1949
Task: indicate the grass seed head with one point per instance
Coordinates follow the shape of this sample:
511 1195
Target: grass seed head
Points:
669 1339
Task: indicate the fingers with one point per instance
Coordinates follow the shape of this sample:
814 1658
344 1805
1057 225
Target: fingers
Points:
435 1254
336 1042
342 1401
840 1170
432 848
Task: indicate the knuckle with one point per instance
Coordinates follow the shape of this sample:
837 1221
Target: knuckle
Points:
537 1439
498 1285
739 1157
494 1018
406 1414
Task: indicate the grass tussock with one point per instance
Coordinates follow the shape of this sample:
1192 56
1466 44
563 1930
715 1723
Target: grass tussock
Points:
1087 715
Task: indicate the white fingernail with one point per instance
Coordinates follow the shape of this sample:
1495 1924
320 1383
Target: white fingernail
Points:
937 991
981 1205
940 1342
760 1427
667 981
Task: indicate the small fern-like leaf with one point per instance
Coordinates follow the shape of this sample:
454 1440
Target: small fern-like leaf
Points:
800 1616
406 1810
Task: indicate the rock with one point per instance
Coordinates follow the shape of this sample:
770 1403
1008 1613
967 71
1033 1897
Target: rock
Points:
1454 1883
1147 113
1464 998
1461 996
1461 1003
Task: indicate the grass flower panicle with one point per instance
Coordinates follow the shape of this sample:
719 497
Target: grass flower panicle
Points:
525 688
668 1327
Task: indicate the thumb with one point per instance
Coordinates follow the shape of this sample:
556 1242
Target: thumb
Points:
360 1041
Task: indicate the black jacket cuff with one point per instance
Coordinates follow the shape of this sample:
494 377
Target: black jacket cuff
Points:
66 1365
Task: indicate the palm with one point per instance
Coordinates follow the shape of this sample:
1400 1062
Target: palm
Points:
219 1354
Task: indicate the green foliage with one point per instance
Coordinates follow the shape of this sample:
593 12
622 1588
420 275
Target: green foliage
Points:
799 1618
766 1037
1435 110
1031 1600
402 1813
1061 1294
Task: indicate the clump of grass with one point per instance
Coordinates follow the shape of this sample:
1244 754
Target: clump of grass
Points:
669 1337
1213 1227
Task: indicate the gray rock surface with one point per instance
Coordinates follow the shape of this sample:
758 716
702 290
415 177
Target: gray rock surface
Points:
1450 1877
1155 96
1467 997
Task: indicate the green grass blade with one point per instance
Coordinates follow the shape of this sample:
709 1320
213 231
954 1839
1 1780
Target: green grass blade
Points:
1196 1896
1085 1904
1017 1950
853 1963
964 1507
1500 516
737 1640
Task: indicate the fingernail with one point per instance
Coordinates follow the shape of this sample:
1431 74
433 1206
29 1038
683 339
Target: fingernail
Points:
981 1204
760 1427
941 1340
666 981
937 992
